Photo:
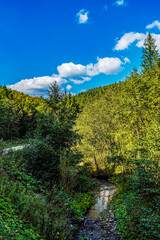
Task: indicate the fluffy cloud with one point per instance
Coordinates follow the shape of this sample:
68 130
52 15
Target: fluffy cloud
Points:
154 24
69 87
105 65
76 73
120 2
131 37
37 85
71 69
82 16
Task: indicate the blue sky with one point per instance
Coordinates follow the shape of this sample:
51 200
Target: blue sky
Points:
81 44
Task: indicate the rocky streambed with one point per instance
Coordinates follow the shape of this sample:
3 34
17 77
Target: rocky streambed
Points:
99 224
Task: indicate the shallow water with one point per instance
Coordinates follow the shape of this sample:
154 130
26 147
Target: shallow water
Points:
105 195
93 227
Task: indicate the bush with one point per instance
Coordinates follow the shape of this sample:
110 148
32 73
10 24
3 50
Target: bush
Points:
42 161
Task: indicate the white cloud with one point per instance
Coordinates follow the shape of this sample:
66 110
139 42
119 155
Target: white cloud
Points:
71 69
76 73
37 84
82 16
120 2
140 42
129 38
69 87
105 65
80 81
154 24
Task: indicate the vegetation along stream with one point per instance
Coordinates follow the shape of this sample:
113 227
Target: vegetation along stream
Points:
99 222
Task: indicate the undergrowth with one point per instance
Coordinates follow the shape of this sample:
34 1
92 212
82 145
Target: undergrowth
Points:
31 209
137 203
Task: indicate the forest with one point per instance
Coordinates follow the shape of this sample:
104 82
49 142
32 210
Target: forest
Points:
110 132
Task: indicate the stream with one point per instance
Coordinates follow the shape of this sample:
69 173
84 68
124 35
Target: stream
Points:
99 224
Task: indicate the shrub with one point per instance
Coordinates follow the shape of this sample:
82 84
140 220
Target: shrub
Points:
42 161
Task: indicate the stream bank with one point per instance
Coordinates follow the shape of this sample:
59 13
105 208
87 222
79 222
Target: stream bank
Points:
99 224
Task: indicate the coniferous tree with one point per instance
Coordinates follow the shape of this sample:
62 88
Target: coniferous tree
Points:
150 56
55 94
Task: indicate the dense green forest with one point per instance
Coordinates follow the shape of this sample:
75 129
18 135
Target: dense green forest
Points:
108 132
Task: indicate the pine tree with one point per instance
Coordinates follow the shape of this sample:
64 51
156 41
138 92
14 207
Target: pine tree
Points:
55 94
150 56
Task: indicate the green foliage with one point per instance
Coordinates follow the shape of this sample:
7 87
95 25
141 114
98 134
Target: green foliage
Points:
150 55
67 110
114 123
100 128
12 227
52 155
135 221
84 182
55 95
55 132
145 176
83 98
68 170
42 161
137 203
43 211
18 113
80 203
9 119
